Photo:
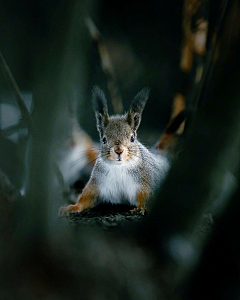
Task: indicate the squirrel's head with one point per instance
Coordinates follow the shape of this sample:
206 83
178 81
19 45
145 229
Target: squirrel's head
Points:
118 133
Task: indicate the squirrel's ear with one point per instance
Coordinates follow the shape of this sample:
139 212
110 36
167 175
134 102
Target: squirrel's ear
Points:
135 112
100 107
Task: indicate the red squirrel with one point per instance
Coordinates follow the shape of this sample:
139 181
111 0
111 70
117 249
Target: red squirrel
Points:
125 170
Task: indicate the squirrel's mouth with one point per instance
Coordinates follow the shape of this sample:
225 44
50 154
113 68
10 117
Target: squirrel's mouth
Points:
115 159
118 155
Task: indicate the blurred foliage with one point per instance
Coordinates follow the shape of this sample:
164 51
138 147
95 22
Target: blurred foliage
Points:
172 254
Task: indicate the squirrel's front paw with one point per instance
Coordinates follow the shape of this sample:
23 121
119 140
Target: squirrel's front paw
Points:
67 210
138 210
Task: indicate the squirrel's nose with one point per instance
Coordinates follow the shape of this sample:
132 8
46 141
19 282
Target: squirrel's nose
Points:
118 151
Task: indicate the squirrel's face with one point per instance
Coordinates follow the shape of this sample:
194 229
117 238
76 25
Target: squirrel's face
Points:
119 142
118 133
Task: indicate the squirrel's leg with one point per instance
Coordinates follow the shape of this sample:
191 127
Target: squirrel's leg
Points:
142 196
86 200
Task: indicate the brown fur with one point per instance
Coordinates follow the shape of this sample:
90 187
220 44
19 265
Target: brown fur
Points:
142 198
91 153
124 169
86 200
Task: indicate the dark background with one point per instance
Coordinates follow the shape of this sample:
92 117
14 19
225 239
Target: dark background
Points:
143 38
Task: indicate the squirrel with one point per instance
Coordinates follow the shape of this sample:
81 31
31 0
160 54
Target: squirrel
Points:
125 170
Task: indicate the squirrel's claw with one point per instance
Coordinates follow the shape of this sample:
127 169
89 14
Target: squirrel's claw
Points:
138 210
65 211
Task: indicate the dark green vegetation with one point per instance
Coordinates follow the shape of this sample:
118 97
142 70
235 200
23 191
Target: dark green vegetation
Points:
165 255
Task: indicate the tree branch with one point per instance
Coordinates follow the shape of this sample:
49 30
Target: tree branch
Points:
10 79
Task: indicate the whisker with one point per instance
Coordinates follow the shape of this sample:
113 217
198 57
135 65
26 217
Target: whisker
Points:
93 161
78 161
89 163
87 149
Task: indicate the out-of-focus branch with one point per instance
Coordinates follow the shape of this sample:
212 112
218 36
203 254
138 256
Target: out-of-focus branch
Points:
196 64
10 79
170 139
195 28
198 176
206 63
8 196
12 129
107 67
192 64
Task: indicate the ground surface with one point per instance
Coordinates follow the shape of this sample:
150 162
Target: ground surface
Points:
108 217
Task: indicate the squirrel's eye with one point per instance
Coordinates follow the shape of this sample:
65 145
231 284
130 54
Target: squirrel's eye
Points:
132 139
104 140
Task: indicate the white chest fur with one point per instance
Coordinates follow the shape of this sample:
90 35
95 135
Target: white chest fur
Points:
118 185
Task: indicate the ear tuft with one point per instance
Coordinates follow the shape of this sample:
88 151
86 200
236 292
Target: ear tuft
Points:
100 107
135 112
140 100
99 100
